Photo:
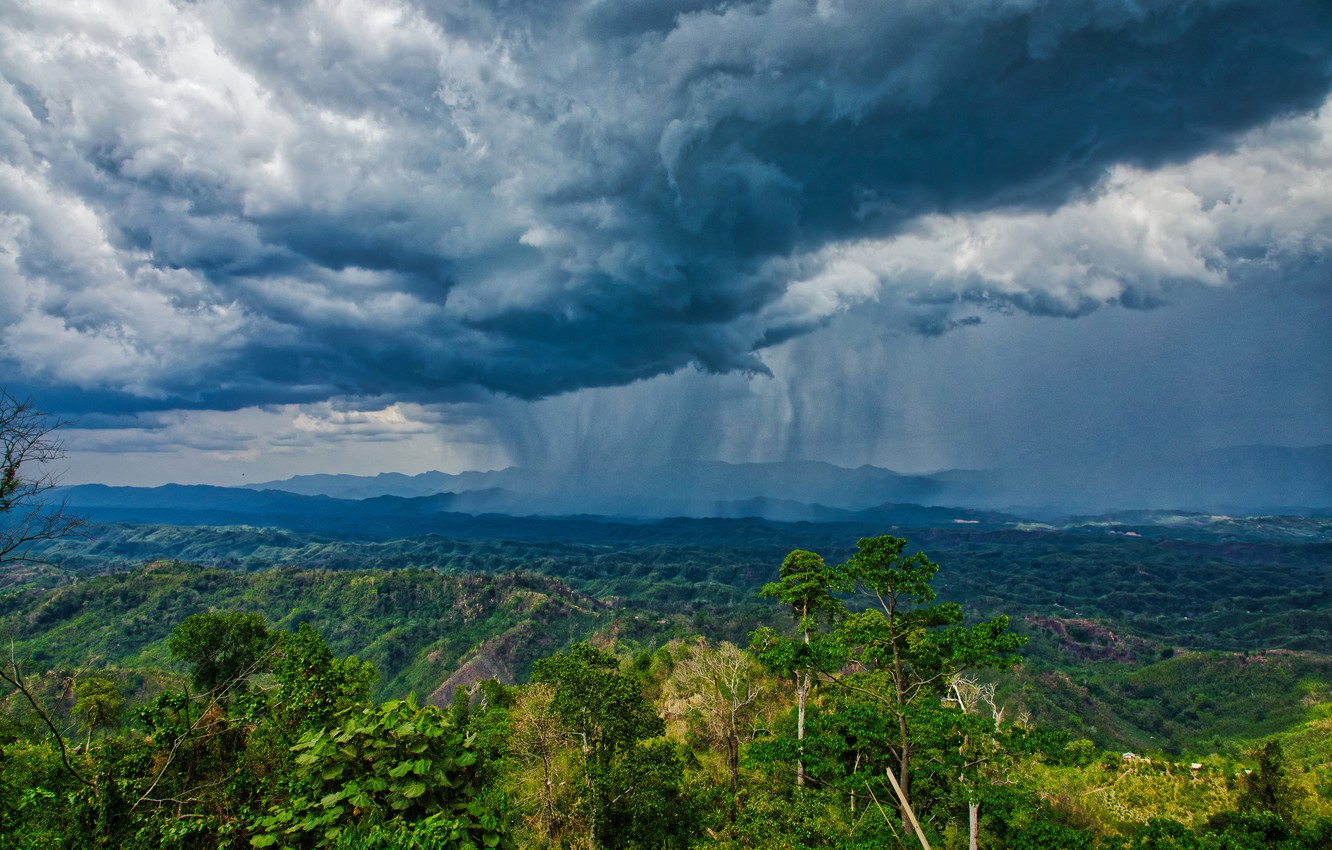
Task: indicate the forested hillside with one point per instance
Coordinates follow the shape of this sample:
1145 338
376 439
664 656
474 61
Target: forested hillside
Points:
1185 581
1192 646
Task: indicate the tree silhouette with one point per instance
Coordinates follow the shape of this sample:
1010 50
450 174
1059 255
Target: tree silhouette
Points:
28 512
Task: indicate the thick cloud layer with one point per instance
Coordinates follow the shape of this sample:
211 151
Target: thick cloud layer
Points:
227 204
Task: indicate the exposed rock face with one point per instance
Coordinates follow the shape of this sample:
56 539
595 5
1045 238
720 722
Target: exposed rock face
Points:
545 616
485 664
1088 640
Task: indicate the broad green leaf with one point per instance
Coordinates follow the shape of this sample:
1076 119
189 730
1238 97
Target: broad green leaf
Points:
414 790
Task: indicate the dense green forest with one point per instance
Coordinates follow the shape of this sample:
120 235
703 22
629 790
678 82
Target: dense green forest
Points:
644 686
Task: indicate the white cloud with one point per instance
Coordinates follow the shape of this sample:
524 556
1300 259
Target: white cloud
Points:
263 444
80 311
1210 221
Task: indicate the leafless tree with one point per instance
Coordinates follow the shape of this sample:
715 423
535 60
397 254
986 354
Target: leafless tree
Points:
984 760
537 740
722 687
30 513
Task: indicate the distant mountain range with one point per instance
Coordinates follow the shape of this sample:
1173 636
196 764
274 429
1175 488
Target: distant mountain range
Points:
476 514
1244 479
796 490
1238 482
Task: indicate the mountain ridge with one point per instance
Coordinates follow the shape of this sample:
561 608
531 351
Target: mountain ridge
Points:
1237 479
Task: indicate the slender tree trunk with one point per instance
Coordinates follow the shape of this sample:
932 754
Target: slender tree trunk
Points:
802 688
591 787
548 801
854 770
733 761
904 738
973 823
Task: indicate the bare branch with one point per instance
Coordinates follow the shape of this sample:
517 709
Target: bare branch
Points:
15 678
188 734
28 512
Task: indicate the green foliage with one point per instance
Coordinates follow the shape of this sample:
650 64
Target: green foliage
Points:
907 651
803 585
1205 584
440 831
650 808
313 685
921 643
99 704
630 784
33 787
602 707
223 650
811 819
414 626
1190 702
1268 788
1260 830
394 761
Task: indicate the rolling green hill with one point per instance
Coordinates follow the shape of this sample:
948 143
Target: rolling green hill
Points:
417 627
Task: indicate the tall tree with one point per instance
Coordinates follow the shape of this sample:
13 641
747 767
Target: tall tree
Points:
223 649
605 712
1268 788
98 704
904 647
537 736
803 584
312 685
982 761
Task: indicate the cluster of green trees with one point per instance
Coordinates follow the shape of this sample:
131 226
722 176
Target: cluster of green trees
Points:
868 722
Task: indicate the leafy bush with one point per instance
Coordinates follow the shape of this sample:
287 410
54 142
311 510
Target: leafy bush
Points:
394 761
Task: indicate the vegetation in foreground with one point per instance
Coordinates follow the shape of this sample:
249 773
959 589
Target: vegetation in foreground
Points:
870 718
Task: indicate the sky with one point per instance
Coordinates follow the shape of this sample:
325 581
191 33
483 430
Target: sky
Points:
246 240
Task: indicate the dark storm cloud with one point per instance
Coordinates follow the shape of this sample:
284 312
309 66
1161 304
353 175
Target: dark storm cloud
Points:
228 204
